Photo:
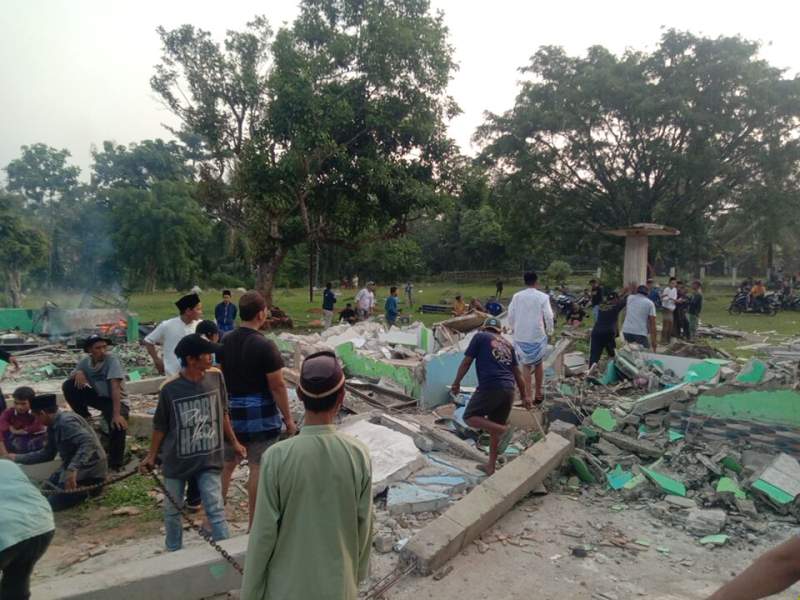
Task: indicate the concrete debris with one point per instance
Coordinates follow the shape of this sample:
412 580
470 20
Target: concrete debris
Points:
409 498
702 522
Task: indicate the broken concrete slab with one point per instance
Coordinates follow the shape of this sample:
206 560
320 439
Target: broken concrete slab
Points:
702 522
394 455
464 521
660 400
566 430
446 484
445 440
680 502
779 482
409 498
641 447
202 572
666 483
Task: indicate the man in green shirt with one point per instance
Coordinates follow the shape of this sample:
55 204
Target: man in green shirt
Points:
312 529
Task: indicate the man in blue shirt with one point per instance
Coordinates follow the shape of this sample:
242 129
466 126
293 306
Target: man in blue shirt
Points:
328 302
225 313
498 372
391 307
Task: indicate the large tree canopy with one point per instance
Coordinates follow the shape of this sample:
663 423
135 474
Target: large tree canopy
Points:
668 136
333 132
22 246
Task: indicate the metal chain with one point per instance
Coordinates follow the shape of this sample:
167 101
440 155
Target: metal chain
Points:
383 585
202 532
87 488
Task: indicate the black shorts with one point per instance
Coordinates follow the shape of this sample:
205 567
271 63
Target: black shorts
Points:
495 405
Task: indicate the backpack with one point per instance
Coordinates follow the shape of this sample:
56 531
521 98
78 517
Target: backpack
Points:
655 296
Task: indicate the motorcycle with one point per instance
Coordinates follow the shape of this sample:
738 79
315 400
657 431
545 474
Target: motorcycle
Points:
740 304
789 301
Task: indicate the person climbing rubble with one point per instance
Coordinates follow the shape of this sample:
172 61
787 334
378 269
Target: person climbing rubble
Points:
498 372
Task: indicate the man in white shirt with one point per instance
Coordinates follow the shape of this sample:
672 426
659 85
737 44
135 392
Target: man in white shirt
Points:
530 317
365 301
170 332
669 299
639 326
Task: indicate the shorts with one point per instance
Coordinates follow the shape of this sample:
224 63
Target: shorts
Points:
255 449
494 405
633 338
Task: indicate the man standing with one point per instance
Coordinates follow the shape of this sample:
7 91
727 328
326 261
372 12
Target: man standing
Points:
253 370
409 293
669 299
604 331
390 307
694 309
167 335
328 304
27 530
596 293
312 531
498 373
190 422
225 313
83 460
530 317
498 289
170 332
640 319
97 382
365 301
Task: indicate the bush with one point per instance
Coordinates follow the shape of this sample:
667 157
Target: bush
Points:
558 272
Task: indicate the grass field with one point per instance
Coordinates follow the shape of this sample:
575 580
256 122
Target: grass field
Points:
159 306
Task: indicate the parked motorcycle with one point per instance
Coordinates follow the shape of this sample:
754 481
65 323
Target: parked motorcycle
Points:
768 305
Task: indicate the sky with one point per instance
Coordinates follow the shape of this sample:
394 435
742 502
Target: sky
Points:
74 73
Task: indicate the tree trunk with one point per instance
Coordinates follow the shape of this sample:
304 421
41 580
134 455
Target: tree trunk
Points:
266 269
14 281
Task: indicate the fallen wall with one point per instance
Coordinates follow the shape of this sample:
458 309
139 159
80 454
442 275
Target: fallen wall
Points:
468 518
190 574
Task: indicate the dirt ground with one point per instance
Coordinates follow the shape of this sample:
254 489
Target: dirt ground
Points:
674 566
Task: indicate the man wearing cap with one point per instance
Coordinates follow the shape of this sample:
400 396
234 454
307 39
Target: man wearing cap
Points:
225 313
312 531
498 373
97 381
189 425
640 319
259 401
83 460
170 332
530 317
365 301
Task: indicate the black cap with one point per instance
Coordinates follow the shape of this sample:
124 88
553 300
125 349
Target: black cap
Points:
93 339
195 344
642 289
321 375
45 402
188 301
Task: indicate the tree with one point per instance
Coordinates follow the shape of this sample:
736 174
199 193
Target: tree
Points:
139 164
21 247
669 136
43 176
158 233
333 132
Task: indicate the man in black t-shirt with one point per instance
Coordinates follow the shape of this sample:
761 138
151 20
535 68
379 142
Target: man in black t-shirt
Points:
596 294
253 369
605 330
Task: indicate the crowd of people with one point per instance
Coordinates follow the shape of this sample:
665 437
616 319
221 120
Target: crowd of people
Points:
224 399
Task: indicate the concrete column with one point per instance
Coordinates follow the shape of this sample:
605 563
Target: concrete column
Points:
635 268
733 276
702 273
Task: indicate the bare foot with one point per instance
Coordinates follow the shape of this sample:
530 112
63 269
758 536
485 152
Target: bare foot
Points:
486 468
